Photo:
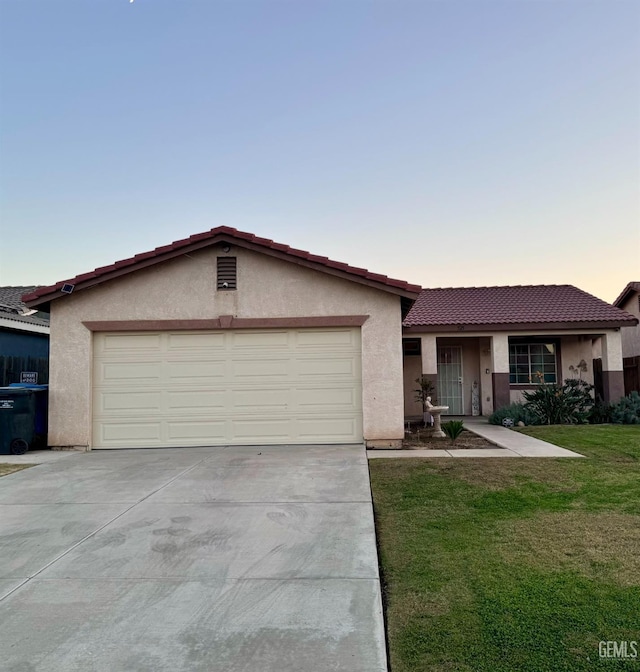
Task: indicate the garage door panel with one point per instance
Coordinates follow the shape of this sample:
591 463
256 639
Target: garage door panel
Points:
123 343
204 432
198 370
339 397
260 340
194 400
261 368
116 373
210 341
131 432
326 339
261 430
327 367
217 388
257 400
318 429
129 402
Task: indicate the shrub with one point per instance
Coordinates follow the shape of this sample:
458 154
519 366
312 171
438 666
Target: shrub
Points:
517 412
600 413
570 403
453 429
425 390
580 397
627 410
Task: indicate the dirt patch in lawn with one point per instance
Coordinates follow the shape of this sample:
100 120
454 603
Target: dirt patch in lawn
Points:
6 469
595 545
422 439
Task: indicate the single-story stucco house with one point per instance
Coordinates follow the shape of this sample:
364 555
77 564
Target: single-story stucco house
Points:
225 338
500 341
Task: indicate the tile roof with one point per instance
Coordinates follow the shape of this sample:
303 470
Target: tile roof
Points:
544 305
220 234
624 295
12 306
11 297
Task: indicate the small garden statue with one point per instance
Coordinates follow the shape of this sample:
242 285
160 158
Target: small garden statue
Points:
423 393
435 412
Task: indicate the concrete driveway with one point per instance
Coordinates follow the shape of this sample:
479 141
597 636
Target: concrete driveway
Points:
234 559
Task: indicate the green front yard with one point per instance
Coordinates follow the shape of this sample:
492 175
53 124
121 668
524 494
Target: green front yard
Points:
510 564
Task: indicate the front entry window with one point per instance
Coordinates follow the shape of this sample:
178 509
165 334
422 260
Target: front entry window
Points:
531 363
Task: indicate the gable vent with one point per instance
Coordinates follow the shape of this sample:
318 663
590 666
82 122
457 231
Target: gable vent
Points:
227 273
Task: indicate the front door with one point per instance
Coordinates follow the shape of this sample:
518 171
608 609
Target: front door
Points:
450 379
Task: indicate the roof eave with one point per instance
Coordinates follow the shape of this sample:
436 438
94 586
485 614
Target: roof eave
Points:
626 293
521 326
17 325
43 301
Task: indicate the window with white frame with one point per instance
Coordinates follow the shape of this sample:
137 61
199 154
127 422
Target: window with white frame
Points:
531 363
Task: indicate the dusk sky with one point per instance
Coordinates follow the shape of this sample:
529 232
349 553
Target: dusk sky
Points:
445 143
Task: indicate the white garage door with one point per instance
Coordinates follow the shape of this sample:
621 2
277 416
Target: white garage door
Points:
245 387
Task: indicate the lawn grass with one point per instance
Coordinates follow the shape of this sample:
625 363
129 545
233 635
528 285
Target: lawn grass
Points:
6 469
501 565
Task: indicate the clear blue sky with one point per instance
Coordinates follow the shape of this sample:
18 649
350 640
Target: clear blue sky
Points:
446 143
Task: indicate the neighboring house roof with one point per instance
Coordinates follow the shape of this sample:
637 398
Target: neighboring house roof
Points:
626 293
43 295
14 314
512 308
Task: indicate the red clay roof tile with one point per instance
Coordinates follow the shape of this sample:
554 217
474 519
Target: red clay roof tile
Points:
527 304
102 274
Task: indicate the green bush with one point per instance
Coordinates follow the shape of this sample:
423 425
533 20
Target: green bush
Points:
600 413
627 410
453 429
569 403
425 389
517 412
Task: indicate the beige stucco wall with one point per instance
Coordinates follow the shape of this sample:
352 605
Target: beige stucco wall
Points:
486 382
185 288
631 335
487 350
574 349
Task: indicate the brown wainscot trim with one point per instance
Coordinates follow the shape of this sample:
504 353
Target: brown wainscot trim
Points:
501 390
228 322
613 386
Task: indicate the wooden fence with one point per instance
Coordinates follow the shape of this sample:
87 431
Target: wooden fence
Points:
12 367
631 368
597 378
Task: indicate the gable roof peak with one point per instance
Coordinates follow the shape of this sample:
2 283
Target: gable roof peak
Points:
44 295
633 286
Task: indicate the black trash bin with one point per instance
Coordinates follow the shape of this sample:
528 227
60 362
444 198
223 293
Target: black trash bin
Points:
42 412
17 419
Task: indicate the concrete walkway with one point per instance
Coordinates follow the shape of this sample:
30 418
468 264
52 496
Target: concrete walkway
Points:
508 443
191 560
